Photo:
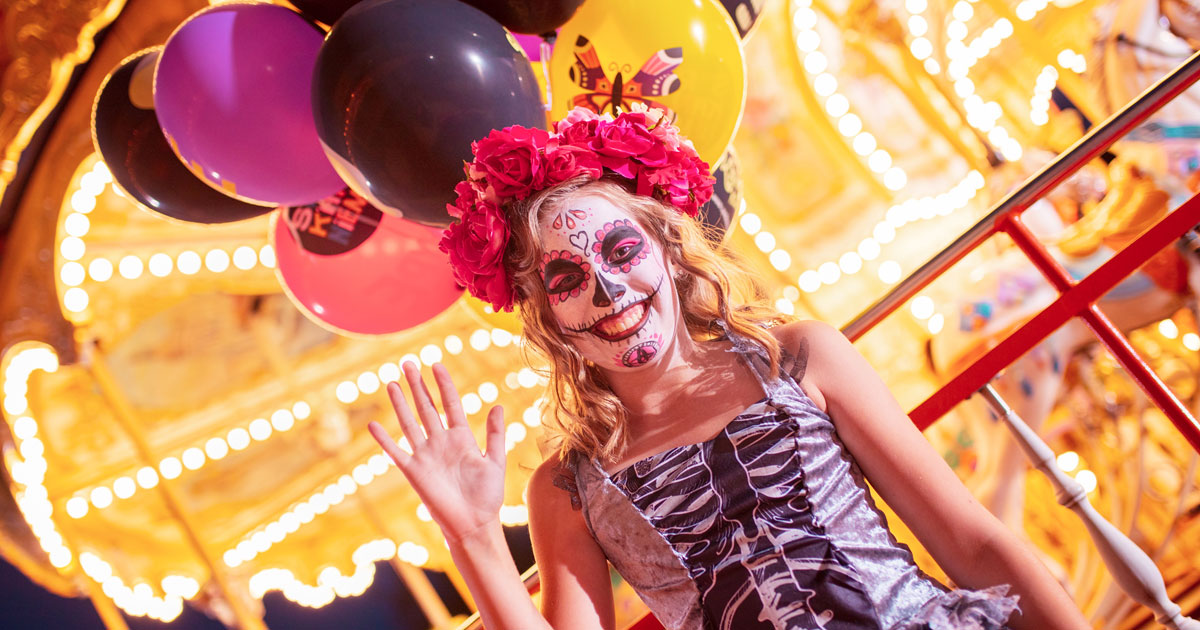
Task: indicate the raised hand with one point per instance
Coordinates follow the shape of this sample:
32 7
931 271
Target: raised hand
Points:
462 487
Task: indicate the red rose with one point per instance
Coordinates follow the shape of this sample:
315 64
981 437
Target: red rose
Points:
510 160
564 162
577 133
616 143
476 244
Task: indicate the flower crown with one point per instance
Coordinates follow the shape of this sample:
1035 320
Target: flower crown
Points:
514 163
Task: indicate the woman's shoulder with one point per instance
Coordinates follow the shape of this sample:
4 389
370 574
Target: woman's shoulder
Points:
811 349
552 487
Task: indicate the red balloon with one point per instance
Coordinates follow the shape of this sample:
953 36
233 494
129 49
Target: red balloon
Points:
353 269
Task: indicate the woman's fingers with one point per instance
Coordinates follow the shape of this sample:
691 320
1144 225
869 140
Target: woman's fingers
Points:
389 445
495 435
408 423
451 403
422 402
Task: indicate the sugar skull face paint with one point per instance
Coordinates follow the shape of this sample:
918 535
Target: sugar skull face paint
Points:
607 284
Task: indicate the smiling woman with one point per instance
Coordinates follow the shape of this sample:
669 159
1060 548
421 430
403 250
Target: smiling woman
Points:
714 454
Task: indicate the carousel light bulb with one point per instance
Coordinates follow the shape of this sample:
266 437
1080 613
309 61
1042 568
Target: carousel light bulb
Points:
101 497
889 271
216 260
824 84
850 263
232 558
82 202
527 378
1011 150
489 392
188 262
1168 329
1087 479
260 429
266 255
816 62
130 267
379 464
346 392
1191 341
480 340
894 178
750 223
884 233
921 48
77 507
1026 11
305 513
72 248
917 26
431 354
275 532
290 522
245 258
472 403
368 382
932 66
388 372
837 105
1068 461
500 338
453 344
864 143
956 30
765 241
362 474
780 260
160 265
238 439
124 487
809 281
75 300
76 224
301 410
922 307
807 41
24 427
60 557
791 293
915 6
193 458
170 467
147 477
1066 58
91 183
100 269
964 87
829 272
963 11
347 485
804 19
783 305
879 161
216 448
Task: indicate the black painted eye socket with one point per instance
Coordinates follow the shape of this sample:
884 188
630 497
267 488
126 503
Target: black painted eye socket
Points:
563 275
622 244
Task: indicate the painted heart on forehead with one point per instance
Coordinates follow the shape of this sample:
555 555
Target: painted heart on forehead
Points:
613 298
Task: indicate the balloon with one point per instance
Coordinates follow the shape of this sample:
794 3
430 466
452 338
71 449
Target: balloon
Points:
353 269
532 45
535 17
745 14
132 145
401 89
719 212
326 11
490 317
232 95
683 55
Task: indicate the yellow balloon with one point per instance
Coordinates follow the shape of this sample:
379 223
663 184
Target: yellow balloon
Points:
487 316
683 55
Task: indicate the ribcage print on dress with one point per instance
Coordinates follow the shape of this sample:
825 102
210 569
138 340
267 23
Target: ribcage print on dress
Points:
735 510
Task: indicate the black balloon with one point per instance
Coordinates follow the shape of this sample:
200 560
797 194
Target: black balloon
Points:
744 13
718 213
533 17
400 90
327 11
142 164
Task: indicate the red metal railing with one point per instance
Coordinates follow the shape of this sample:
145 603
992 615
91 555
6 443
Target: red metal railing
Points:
1076 298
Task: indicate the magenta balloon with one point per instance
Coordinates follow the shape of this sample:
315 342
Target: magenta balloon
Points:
232 94
394 279
531 44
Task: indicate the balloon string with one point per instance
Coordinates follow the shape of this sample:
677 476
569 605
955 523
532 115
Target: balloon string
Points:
545 50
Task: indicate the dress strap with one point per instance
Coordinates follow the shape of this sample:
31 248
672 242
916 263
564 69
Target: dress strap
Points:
753 355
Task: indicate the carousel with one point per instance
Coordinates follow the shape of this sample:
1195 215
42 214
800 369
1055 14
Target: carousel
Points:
222 240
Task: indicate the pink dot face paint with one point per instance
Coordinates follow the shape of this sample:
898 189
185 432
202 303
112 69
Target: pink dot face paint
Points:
607 284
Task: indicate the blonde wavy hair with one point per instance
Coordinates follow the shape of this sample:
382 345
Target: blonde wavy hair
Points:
713 283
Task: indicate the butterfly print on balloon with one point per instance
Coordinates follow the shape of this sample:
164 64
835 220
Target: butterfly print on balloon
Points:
655 78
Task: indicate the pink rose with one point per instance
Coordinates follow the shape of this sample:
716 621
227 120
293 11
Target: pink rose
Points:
578 133
510 160
576 115
476 244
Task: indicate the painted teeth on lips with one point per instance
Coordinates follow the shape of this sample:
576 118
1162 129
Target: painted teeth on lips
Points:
621 323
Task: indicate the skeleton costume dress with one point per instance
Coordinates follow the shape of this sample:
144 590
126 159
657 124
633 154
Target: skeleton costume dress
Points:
768 525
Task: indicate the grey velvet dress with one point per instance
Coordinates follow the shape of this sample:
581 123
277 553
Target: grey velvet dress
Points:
767 525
